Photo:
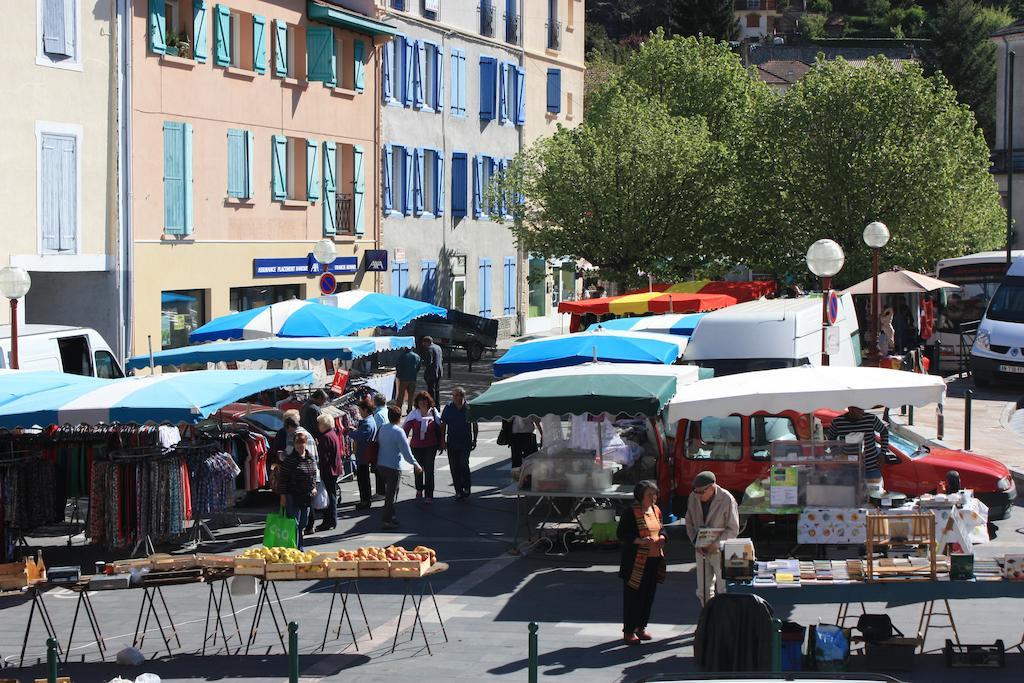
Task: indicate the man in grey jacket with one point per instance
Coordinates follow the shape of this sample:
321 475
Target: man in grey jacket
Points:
710 507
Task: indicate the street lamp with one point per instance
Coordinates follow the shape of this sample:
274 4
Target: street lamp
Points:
825 258
325 253
14 284
876 236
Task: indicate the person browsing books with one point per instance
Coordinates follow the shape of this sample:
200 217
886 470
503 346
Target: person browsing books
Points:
712 516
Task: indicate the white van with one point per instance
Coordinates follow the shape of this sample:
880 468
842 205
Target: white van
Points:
998 350
75 350
771 333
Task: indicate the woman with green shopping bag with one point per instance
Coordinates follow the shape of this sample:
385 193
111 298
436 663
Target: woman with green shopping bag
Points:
297 484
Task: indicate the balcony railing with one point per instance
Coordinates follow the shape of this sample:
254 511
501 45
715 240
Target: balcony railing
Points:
554 35
343 204
487 19
512 29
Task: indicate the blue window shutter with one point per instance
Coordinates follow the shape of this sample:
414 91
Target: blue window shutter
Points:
279 167
419 69
438 183
236 163
488 87
407 184
259 44
387 182
438 77
428 280
330 188
462 82
554 90
358 190
312 170
399 278
485 287
157 23
386 67
408 48
174 178
222 35
187 158
499 170
358 67
455 81
459 189
250 153
417 182
510 285
200 42
520 118
320 54
280 49
478 180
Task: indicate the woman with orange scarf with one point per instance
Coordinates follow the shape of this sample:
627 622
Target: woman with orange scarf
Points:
643 560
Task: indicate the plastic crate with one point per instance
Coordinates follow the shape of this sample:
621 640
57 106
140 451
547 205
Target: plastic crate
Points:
981 656
894 654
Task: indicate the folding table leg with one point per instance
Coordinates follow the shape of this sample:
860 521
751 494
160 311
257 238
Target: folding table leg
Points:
74 623
418 618
437 609
94 621
170 619
234 612
359 597
398 626
28 630
330 612
257 615
273 615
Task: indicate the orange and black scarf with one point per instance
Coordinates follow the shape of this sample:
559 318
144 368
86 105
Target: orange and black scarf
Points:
642 551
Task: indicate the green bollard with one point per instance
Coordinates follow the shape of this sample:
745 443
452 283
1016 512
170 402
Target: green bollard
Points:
51 660
533 651
776 645
293 652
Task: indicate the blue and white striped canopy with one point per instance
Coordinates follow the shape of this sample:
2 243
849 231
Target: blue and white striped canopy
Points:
399 309
585 347
175 397
292 318
311 348
16 384
673 323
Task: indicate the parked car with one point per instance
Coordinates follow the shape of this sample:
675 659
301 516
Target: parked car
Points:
458 330
75 350
262 419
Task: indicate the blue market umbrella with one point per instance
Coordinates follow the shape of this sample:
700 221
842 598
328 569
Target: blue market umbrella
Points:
292 318
575 349
671 323
399 309
16 384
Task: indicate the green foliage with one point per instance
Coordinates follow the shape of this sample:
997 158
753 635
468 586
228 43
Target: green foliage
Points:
905 22
814 26
877 8
819 6
714 18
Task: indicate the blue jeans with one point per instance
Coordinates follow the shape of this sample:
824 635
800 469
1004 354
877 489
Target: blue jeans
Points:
300 513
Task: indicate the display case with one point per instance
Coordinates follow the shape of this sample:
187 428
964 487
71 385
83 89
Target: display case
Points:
817 474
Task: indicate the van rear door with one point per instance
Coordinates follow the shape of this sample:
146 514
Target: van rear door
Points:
75 356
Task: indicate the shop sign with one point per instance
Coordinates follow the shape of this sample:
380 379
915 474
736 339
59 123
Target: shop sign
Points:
376 260
343 265
295 267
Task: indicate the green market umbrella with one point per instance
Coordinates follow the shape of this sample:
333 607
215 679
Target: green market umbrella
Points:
593 389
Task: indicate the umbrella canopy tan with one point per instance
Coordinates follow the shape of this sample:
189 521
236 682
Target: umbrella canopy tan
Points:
899 281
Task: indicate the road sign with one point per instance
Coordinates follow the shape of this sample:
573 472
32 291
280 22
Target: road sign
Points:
328 283
832 311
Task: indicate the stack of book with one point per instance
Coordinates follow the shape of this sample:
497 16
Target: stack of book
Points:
987 570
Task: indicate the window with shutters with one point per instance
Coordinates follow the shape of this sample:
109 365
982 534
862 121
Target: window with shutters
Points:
351 182
58 187
486 175
288 57
430 63
295 169
458 82
429 183
510 93
58 30
399 181
554 91
240 164
460 184
177 178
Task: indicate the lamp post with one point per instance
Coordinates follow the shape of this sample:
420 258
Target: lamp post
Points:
876 236
825 258
325 253
14 284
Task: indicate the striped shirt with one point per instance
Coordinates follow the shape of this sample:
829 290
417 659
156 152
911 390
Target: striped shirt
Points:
867 425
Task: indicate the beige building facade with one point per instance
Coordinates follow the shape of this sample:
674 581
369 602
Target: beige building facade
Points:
254 134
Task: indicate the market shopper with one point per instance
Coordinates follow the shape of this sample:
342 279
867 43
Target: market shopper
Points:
330 451
856 421
380 416
433 362
297 484
406 370
642 566
365 438
710 507
311 411
522 439
393 449
423 426
460 434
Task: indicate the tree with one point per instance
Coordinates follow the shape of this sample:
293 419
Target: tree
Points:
714 18
814 25
819 6
631 187
846 146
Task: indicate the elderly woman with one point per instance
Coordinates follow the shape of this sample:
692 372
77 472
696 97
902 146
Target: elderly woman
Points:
296 483
643 560
423 427
330 452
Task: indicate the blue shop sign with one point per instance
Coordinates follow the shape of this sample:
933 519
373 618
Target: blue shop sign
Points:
295 267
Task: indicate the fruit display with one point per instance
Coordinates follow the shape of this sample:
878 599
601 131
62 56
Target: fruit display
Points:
281 555
390 554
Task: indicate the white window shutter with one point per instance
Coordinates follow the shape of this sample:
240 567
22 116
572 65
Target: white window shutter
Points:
59 27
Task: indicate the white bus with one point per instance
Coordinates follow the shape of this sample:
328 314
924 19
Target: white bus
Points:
978 275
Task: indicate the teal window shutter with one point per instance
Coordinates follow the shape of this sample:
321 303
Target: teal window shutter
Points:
417 181
157 24
386 67
358 190
259 44
320 54
187 157
280 49
237 164
485 287
408 49
312 172
460 176
387 183
462 82
520 118
511 285
279 167
438 184
554 90
488 87
502 93
174 178
330 188
358 67
454 104
419 72
478 180
250 153
407 184
200 42
222 35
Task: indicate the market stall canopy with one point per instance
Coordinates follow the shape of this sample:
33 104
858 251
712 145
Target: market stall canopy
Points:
805 389
174 397
292 318
610 346
899 281
592 389
398 309
684 297
311 348
673 323
17 384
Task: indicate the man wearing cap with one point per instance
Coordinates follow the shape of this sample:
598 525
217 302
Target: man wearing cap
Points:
710 507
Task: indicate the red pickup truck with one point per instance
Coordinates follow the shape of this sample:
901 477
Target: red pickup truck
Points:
737 449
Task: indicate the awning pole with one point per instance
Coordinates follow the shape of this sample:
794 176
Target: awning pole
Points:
149 341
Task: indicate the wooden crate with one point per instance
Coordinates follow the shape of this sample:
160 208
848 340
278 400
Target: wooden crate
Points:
311 570
280 571
250 566
126 566
168 563
886 530
15 575
215 561
374 568
405 569
342 569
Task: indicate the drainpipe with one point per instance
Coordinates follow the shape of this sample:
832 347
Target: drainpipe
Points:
1008 143
126 251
